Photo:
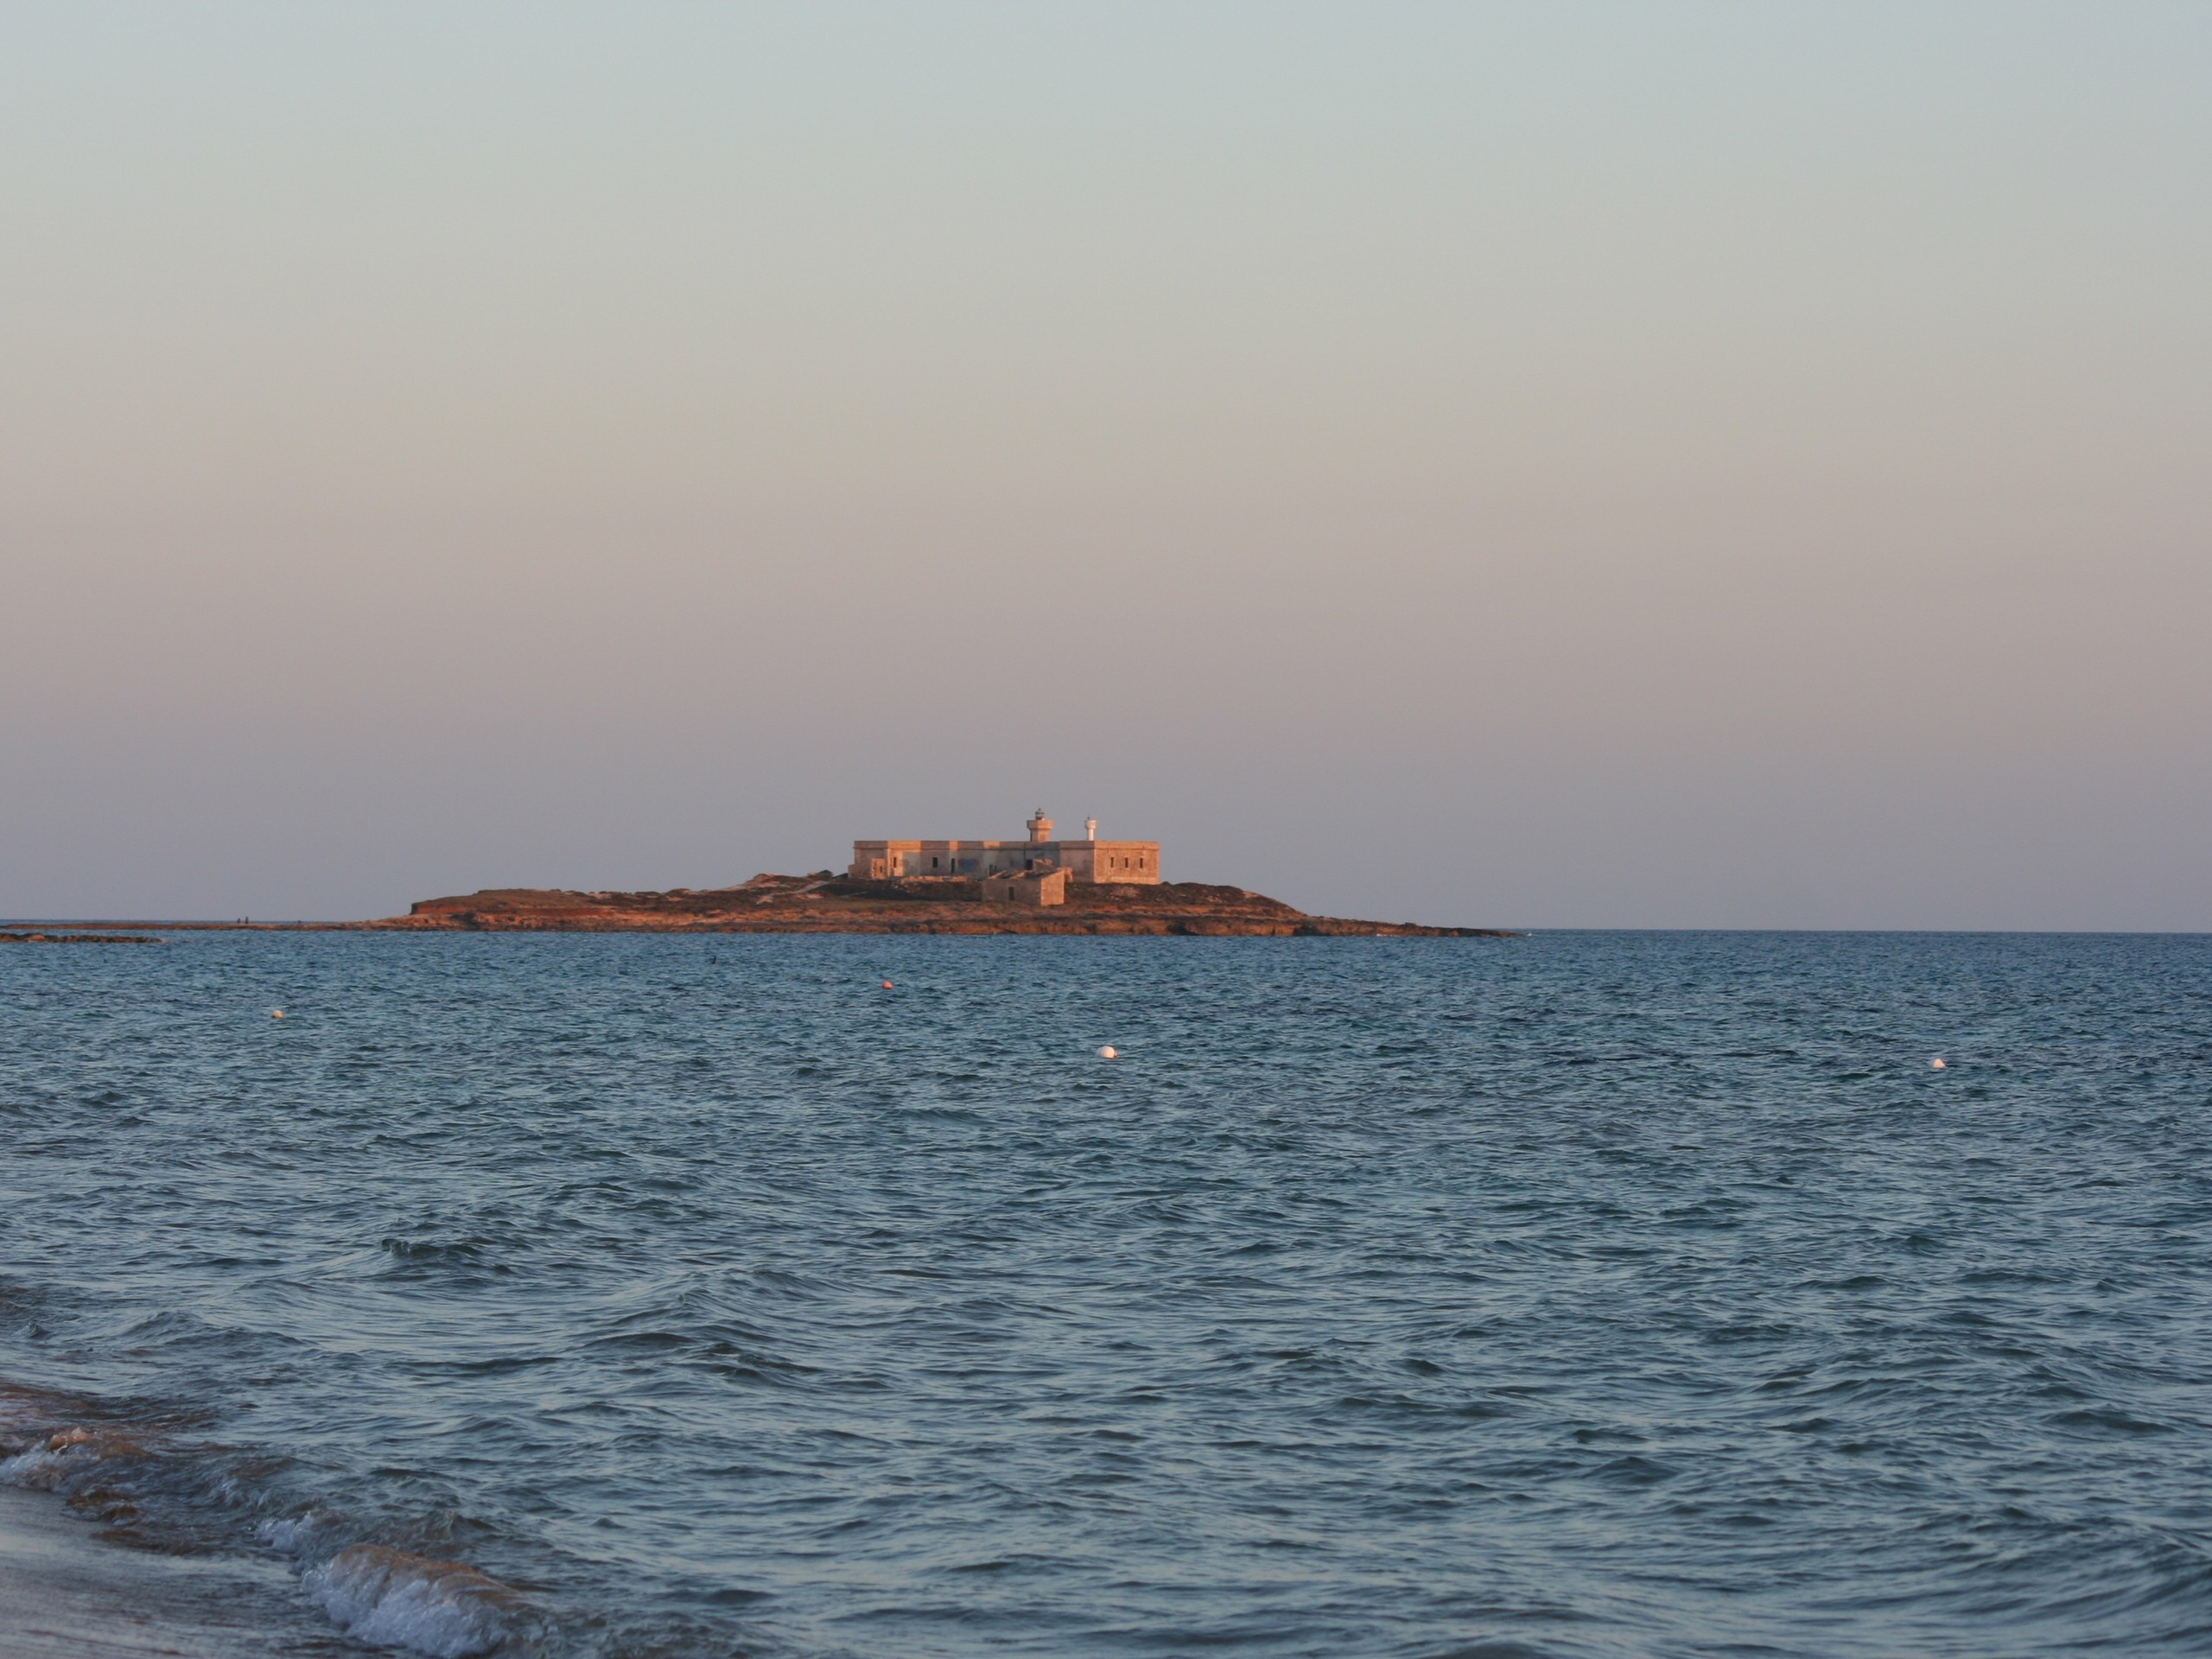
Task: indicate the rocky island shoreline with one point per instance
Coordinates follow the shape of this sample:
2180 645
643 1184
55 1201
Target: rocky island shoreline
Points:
827 902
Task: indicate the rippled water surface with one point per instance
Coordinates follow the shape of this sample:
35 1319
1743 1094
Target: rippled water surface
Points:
1575 1296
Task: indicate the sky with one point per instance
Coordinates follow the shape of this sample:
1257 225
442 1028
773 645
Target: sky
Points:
1561 464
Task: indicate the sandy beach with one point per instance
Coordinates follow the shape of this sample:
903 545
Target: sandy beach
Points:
66 1594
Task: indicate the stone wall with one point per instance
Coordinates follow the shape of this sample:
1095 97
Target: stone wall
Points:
1084 861
1029 887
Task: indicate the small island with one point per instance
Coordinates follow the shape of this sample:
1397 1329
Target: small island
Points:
1040 885
825 903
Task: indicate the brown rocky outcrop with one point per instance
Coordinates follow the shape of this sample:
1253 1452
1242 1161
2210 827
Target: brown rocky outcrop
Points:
829 904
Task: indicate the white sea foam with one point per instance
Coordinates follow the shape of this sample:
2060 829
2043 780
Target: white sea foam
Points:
389 1598
295 1534
33 1468
49 1463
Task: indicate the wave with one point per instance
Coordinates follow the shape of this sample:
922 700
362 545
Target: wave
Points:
445 1609
118 1472
59 1462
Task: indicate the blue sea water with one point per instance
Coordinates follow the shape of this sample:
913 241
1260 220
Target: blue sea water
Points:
1583 1294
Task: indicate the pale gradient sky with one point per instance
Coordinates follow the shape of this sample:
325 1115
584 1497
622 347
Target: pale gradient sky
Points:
1672 465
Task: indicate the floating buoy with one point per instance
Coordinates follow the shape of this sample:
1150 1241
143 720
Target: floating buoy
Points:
1108 1053
275 1014
887 985
1936 1064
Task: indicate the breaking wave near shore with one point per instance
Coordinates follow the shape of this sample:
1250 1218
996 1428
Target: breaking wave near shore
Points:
1588 1295
148 1485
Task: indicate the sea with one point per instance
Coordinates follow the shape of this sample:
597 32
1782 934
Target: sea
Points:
1560 1297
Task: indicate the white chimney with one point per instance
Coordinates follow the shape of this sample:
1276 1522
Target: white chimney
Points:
1091 828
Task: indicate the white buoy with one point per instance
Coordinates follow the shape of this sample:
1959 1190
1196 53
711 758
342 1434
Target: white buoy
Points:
1108 1053
1936 1064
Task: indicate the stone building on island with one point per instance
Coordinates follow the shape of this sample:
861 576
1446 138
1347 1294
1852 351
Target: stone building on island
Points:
1035 871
